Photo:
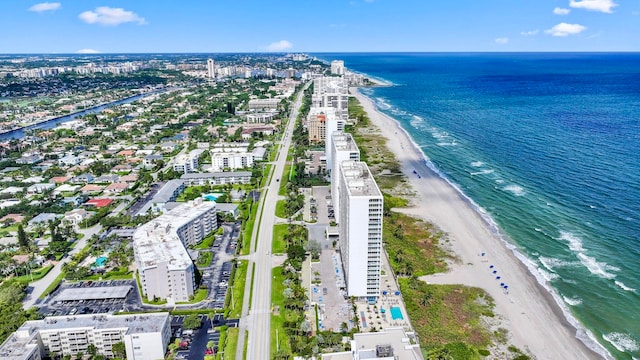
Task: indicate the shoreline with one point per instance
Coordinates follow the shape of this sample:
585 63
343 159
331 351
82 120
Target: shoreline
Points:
536 321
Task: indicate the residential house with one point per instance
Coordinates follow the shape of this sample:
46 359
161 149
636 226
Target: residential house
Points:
75 216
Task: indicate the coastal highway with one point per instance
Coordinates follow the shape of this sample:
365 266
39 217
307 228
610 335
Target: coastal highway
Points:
258 320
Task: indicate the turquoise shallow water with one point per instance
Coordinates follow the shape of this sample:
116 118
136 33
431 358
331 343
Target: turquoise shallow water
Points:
548 145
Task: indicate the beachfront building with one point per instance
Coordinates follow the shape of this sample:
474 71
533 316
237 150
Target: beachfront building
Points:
160 249
332 92
187 163
337 67
168 193
321 122
343 148
360 229
332 125
145 336
221 161
388 344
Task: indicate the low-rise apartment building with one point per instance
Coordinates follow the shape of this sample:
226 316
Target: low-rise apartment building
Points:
145 336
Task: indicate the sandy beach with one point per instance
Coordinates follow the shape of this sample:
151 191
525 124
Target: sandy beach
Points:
534 320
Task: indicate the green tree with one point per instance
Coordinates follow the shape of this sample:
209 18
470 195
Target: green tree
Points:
119 349
192 321
23 240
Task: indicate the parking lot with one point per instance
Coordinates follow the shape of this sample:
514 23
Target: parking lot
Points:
193 343
217 276
92 297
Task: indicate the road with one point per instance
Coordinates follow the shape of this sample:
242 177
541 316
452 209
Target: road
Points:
258 321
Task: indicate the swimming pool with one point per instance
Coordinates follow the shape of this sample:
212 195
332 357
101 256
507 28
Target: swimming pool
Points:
211 196
101 260
396 313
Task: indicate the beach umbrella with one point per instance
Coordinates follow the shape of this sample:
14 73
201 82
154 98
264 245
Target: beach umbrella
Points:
490 266
497 277
397 292
501 284
495 271
384 292
482 254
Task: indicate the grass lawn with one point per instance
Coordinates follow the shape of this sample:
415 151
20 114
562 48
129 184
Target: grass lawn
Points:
279 246
277 321
240 279
35 275
53 286
284 180
204 259
447 315
280 209
265 174
232 343
198 296
248 230
206 243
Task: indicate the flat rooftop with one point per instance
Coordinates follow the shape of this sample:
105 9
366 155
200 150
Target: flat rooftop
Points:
93 293
367 345
358 179
344 142
158 240
139 323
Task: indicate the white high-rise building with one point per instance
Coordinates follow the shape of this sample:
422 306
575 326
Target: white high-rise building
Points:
145 336
332 125
163 263
361 204
331 92
343 148
337 67
211 69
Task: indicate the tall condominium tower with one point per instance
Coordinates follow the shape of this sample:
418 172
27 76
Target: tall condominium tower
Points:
360 229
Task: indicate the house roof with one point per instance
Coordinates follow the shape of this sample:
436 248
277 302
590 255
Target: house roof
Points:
99 202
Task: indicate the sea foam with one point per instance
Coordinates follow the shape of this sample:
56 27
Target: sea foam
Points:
516 190
574 301
477 163
597 268
624 287
622 342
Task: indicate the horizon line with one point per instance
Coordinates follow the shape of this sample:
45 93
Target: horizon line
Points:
326 52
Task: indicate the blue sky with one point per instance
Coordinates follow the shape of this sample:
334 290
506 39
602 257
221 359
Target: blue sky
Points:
108 26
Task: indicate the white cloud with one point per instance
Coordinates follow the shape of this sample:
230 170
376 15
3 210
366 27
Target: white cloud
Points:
561 11
45 6
88 51
502 40
105 15
564 29
604 6
279 45
530 32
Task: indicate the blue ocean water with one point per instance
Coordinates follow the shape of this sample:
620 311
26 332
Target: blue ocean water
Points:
548 144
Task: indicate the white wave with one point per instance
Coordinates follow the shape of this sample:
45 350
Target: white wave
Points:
591 206
477 163
548 275
483 172
624 287
575 243
553 263
438 134
622 342
499 181
516 190
597 268
417 118
383 104
574 301
452 143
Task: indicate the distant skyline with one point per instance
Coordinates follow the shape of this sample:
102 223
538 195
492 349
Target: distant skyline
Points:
205 26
